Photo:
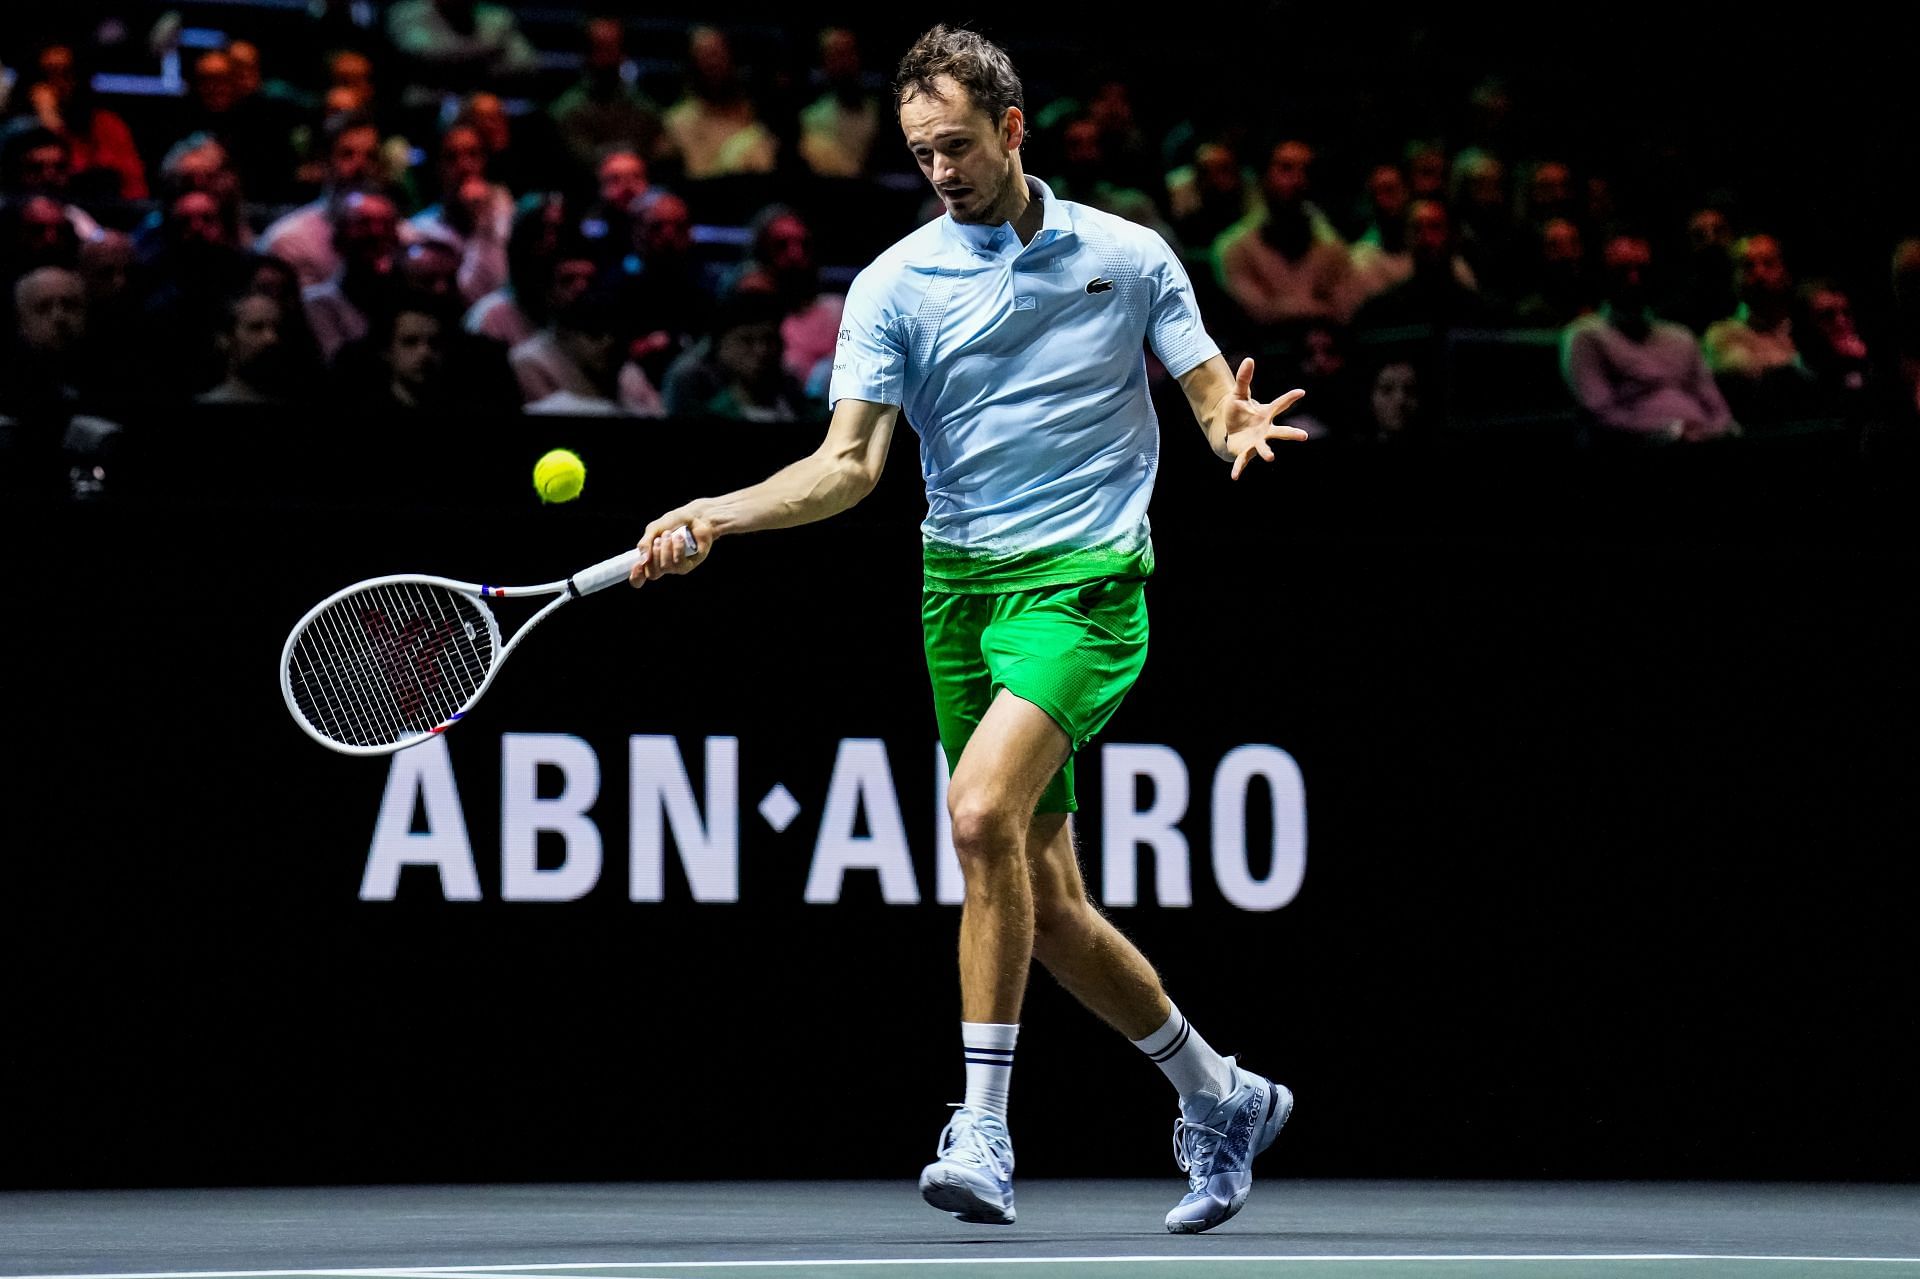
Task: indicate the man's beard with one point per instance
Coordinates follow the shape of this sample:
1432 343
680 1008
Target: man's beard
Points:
981 205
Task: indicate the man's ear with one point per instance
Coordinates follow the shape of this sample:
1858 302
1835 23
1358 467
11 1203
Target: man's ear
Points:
1013 129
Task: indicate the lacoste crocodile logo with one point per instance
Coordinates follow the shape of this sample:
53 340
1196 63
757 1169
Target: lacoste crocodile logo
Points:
1099 285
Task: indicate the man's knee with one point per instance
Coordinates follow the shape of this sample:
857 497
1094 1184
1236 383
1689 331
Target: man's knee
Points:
986 829
1062 915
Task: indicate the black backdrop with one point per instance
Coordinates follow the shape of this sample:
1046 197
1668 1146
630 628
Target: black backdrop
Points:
1607 763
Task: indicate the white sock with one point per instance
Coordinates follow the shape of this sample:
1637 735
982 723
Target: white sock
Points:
1187 1060
989 1054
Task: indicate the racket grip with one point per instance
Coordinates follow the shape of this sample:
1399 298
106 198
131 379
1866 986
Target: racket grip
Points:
604 574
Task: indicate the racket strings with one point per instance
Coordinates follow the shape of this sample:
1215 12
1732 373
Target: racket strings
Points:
390 662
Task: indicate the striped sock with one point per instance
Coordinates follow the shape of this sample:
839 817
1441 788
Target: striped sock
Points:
1187 1060
989 1054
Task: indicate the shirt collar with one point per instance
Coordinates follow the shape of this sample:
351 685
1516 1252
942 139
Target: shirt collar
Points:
1054 221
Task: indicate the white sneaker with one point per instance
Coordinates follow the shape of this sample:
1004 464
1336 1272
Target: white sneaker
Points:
1216 1146
973 1176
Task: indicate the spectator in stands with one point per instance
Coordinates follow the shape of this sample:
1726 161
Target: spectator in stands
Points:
257 367
1757 339
782 267
1209 196
1426 167
35 233
1832 348
1433 296
259 142
304 237
1639 377
34 160
106 162
366 237
349 83
1084 176
510 314
604 108
45 372
1562 292
580 363
473 216
195 163
1753 353
457 45
1484 223
198 266
1287 262
738 372
1395 411
1381 258
612 222
1548 194
408 340
714 129
672 293
838 129
1704 291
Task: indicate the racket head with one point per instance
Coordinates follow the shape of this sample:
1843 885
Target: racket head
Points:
389 662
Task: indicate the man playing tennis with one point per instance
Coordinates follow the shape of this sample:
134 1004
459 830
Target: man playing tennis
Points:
1009 332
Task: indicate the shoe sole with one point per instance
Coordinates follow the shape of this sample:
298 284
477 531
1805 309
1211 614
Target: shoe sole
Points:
961 1200
1279 1110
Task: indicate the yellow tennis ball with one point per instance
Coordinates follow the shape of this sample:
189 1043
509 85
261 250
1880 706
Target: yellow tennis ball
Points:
559 476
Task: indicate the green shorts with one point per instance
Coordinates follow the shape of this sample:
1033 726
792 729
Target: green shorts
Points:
1071 650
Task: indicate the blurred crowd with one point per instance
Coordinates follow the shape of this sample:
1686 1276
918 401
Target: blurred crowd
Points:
418 208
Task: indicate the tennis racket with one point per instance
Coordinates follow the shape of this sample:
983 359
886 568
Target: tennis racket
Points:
392 661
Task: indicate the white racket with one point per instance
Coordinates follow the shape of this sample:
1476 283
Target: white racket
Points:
391 661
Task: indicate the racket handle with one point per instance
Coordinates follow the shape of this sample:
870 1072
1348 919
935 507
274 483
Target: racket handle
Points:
604 574
617 569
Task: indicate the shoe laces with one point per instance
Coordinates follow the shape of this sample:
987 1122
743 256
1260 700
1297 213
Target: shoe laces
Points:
969 1139
1193 1147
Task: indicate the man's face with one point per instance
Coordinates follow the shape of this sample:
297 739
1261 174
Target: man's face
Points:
213 82
414 354
246 67
1396 397
431 269
41 224
572 277
369 230
1080 145
56 69
1627 261
840 56
1429 233
1551 186
195 217
788 246
712 56
1832 315
667 228
1388 191
1708 229
44 169
1759 269
463 158
353 72
961 150
352 159
1287 178
749 353
487 115
256 331
52 306
1560 243
623 179
1216 168
606 47
1486 183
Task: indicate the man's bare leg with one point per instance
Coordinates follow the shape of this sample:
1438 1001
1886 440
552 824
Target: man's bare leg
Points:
1085 953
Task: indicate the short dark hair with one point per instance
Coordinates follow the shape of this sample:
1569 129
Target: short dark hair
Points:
974 62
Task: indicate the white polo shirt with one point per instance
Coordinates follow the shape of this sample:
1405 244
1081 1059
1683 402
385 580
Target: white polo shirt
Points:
1022 369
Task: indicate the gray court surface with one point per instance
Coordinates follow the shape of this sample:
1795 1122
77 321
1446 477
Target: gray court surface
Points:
881 1230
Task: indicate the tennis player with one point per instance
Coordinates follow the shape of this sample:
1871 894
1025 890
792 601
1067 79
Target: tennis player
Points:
1010 333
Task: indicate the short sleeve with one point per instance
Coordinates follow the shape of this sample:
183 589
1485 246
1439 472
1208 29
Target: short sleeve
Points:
1174 328
870 357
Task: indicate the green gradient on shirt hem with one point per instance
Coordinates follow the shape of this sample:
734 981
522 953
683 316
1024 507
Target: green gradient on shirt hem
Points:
957 571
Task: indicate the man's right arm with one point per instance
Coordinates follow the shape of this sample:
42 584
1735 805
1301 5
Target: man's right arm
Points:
827 481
